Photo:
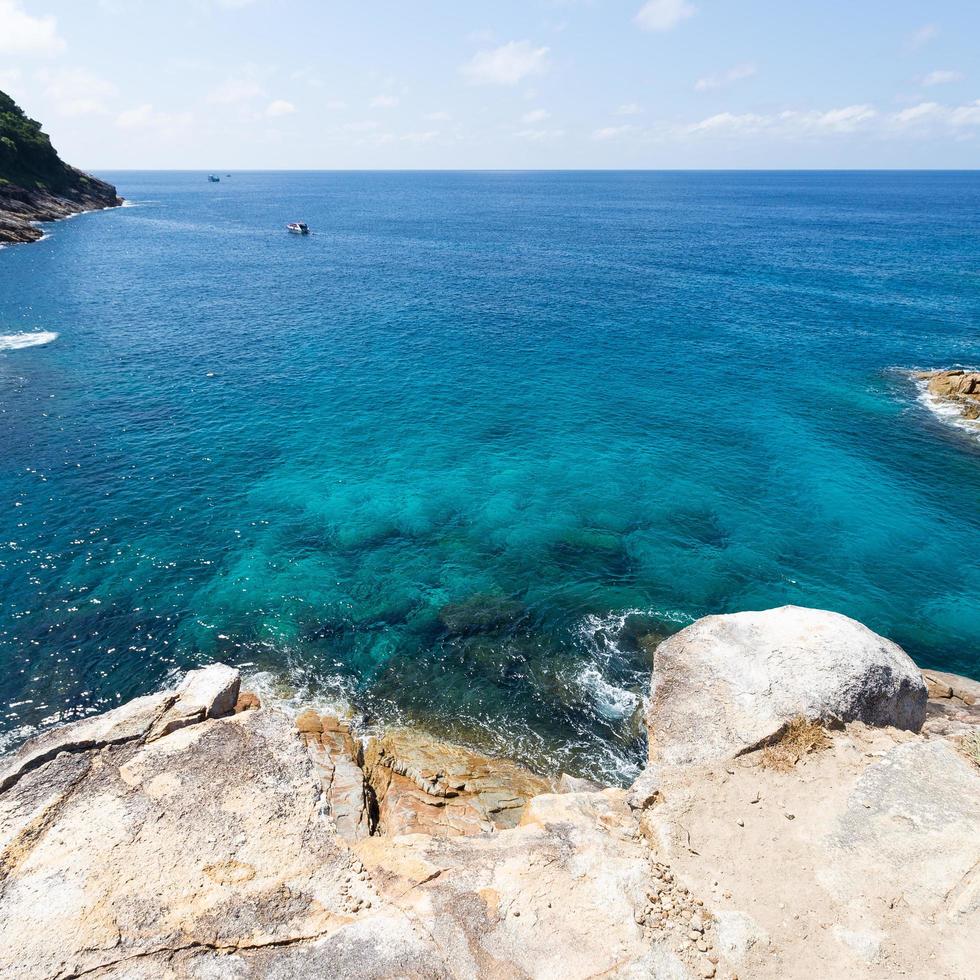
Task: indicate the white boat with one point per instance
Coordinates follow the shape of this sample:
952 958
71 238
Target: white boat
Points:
298 227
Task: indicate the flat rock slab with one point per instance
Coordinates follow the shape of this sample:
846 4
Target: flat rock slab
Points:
862 861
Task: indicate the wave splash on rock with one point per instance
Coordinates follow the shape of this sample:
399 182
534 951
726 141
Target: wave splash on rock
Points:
952 395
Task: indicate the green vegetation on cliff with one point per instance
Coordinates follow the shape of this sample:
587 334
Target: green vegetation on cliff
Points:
27 157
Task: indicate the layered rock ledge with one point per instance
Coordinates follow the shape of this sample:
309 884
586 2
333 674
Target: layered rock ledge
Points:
823 821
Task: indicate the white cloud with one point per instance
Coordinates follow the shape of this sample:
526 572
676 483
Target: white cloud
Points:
612 132
420 137
844 120
729 122
77 92
789 124
506 65
725 78
535 115
235 90
279 107
384 101
629 109
664 15
22 34
540 135
438 116
941 77
928 115
923 35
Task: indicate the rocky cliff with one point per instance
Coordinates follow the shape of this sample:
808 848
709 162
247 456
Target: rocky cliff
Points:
821 819
35 184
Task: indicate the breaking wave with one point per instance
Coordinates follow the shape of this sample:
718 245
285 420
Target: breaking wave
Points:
18 341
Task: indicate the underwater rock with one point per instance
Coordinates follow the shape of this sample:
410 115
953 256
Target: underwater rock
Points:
480 614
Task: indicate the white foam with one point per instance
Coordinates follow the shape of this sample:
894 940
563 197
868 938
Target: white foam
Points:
18 341
598 636
611 702
945 410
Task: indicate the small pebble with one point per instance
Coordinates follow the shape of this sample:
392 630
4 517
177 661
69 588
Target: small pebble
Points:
740 822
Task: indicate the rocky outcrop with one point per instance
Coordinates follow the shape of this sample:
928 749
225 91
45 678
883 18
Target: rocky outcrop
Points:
423 785
404 781
728 684
958 387
35 184
195 833
21 208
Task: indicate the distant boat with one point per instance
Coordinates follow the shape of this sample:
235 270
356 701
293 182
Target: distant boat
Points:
298 227
214 178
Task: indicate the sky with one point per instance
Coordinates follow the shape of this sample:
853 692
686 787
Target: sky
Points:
325 84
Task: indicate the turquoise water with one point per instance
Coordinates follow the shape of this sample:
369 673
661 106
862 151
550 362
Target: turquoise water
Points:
458 451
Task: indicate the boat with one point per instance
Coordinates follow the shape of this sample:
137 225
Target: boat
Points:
298 227
214 178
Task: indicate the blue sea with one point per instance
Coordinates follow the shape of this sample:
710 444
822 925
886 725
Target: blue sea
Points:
455 455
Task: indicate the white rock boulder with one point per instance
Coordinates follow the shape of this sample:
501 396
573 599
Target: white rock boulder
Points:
726 684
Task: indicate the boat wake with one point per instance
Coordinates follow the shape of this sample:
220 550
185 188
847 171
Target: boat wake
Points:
18 341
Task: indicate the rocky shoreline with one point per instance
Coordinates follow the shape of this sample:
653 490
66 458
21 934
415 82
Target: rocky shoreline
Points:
35 183
812 804
22 209
957 388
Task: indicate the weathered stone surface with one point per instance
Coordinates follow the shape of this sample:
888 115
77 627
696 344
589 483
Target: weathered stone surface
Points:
574 784
727 683
424 785
247 701
210 692
205 836
337 760
241 847
534 900
645 790
943 685
876 875
308 721
126 723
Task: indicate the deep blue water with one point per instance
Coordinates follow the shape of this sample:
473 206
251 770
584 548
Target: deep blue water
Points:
435 453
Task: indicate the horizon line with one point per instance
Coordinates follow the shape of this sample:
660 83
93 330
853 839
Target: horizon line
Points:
543 170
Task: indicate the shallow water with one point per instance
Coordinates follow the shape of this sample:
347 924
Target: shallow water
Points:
542 400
